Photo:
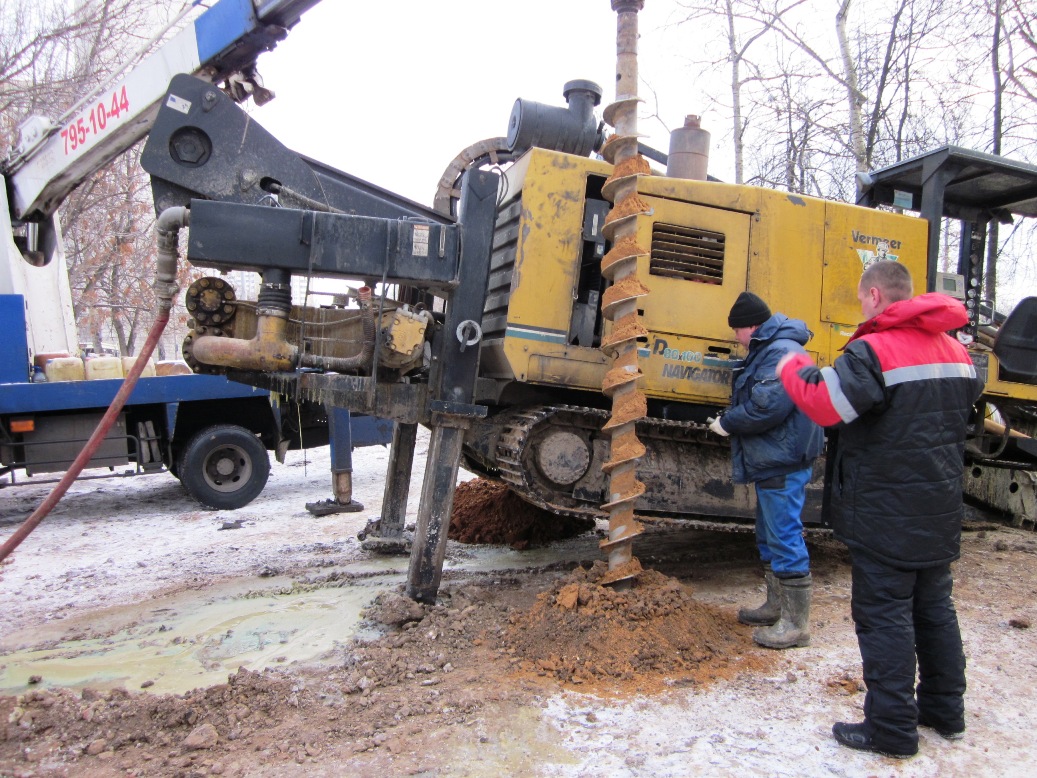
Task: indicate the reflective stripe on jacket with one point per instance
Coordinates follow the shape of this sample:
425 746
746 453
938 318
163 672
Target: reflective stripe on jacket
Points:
900 395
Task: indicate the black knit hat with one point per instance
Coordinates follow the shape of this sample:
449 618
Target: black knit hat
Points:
748 311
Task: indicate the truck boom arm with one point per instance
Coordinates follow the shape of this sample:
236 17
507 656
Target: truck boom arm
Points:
223 43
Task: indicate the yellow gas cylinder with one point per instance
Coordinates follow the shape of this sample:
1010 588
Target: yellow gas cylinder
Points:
64 369
129 362
103 367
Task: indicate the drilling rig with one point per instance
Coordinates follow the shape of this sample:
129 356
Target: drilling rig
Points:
558 318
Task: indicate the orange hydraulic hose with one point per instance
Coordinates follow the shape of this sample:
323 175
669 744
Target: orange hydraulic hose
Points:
91 445
167 229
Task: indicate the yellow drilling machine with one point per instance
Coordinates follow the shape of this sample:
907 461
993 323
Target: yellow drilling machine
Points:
558 318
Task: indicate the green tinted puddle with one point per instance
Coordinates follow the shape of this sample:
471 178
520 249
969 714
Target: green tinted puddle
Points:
196 638
191 639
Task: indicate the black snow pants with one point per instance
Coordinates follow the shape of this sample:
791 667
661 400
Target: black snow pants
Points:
900 615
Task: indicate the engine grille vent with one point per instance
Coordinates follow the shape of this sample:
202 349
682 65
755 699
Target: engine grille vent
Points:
690 253
502 270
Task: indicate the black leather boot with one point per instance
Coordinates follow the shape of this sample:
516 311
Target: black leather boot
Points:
856 736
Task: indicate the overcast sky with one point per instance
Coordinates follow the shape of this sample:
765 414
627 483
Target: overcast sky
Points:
393 91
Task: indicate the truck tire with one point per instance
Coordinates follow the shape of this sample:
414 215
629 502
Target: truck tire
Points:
224 467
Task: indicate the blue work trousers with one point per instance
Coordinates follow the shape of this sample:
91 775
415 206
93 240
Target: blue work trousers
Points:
779 523
900 615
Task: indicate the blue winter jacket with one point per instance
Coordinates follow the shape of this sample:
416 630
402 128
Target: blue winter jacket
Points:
769 435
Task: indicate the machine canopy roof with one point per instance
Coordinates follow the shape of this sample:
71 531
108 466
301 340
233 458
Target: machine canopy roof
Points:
976 186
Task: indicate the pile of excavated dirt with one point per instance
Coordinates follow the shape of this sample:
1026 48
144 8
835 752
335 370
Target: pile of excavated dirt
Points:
424 673
430 669
488 512
581 632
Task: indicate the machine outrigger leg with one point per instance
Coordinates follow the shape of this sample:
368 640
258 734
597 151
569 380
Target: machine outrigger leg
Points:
437 501
452 386
386 534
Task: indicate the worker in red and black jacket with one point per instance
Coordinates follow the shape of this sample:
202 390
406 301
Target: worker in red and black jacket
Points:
900 397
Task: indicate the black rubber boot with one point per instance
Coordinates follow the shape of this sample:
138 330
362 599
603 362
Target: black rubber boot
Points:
770 611
793 627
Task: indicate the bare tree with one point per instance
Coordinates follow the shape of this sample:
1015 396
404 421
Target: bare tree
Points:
1013 118
111 252
990 271
47 65
818 91
854 98
1020 24
49 57
745 24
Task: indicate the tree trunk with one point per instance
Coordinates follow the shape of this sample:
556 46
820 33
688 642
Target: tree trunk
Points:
854 99
736 93
990 274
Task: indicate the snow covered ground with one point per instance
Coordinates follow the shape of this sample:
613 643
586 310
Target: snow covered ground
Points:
130 552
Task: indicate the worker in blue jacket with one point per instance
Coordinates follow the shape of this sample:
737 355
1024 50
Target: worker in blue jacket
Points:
773 446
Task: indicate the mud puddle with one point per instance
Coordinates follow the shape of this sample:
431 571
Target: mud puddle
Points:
196 638
192 639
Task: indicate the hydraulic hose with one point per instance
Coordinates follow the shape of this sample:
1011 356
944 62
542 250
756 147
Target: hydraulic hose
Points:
168 230
362 359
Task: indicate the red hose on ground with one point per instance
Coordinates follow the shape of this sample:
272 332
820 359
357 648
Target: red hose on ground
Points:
95 440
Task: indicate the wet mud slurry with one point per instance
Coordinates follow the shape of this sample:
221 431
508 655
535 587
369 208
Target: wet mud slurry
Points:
191 639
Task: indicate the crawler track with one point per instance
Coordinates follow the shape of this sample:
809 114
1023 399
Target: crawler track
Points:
687 474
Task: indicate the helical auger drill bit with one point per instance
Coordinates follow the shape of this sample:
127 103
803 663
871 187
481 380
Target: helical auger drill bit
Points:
620 304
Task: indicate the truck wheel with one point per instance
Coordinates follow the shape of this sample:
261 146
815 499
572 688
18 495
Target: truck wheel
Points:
224 467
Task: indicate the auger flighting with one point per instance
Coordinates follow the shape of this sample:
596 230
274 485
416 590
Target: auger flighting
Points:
620 303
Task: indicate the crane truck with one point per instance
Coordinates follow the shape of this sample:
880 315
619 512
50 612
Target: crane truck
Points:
212 433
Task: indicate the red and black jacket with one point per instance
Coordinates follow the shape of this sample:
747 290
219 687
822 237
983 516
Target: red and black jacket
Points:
901 395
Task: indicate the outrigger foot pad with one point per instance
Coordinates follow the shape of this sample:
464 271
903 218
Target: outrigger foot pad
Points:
399 546
328 507
396 543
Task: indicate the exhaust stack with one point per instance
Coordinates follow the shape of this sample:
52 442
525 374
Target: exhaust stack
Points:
689 151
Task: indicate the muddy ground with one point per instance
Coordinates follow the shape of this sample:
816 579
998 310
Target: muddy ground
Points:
310 662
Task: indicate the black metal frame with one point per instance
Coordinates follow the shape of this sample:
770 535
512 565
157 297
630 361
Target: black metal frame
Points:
956 183
204 152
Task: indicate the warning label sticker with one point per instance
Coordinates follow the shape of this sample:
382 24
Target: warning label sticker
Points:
420 240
